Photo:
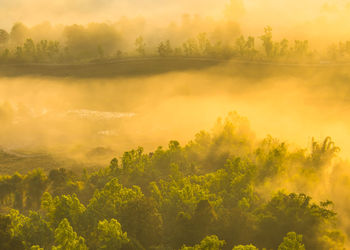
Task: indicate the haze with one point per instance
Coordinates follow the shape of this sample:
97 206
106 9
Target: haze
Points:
190 124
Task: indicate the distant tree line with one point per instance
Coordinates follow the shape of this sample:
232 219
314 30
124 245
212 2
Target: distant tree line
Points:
212 193
102 42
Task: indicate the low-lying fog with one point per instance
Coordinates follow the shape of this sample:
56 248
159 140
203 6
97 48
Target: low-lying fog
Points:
73 116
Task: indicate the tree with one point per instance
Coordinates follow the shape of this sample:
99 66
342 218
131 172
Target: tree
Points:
67 239
300 48
47 50
36 183
292 241
203 219
110 235
190 48
146 225
7 241
295 212
29 49
204 45
108 202
322 153
60 182
4 36
245 48
17 187
164 49
140 46
63 207
36 231
267 41
19 33
211 242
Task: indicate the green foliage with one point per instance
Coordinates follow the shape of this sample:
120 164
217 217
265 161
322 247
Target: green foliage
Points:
246 247
146 225
67 239
11 190
217 184
322 153
36 231
108 202
292 241
271 157
294 212
36 247
110 235
7 240
211 242
62 207
36 182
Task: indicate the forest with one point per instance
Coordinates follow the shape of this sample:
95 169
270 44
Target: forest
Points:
222 190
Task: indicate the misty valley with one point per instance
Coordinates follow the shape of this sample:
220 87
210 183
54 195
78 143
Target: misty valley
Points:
161 130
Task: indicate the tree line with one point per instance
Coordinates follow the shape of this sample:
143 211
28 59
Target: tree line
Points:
212 193
102 42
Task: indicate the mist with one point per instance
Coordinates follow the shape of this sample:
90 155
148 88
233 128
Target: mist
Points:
156 20
174 124
122 113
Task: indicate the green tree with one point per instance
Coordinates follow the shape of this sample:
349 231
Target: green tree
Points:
110 235
17 187
211 242
36 183
322 152
108 203
7 240
146 225
295 212
292 241
67 239
63 207
36 231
